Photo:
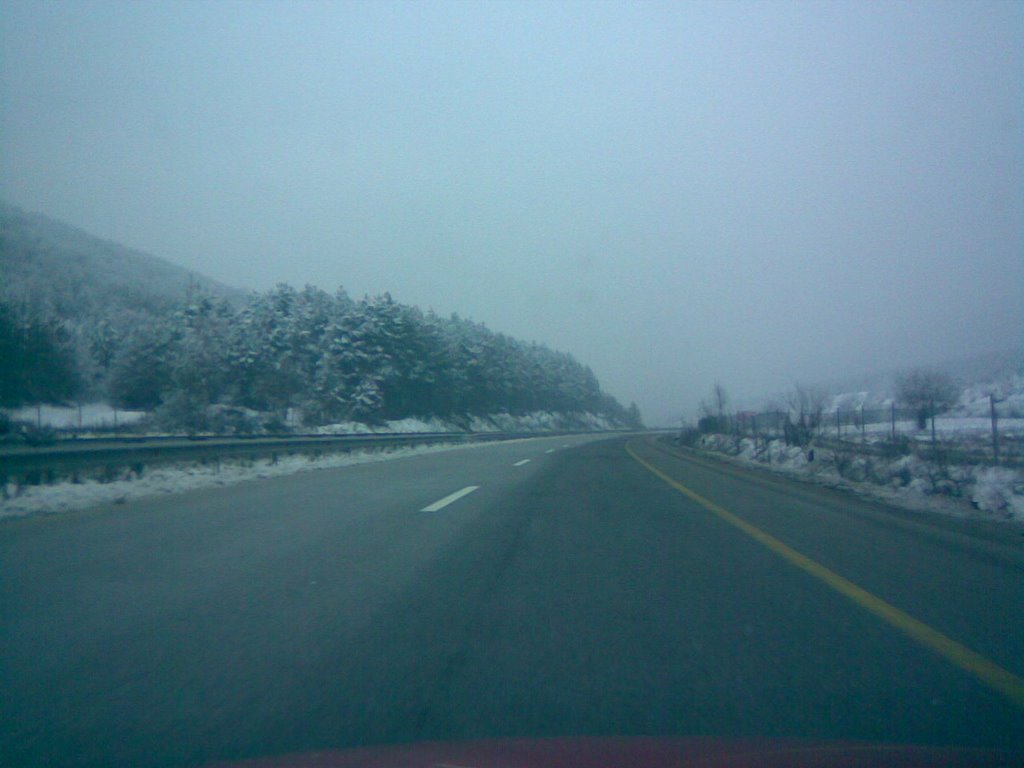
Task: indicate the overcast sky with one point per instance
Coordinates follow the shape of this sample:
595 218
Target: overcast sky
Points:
675 193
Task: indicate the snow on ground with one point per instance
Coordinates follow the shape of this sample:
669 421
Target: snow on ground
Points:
945 427
541 421
68 496
1009 393
906 481
397 426
854 401
538 421
402 426
91 416
102 416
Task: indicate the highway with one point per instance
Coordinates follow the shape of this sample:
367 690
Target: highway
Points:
598 585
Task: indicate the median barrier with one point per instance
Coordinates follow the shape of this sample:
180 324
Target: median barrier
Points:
109 459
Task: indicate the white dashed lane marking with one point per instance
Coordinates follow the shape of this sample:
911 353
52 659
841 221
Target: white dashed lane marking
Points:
442 503
550 450
520 463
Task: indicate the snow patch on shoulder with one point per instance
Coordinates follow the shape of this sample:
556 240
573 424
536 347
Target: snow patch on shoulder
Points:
69 496
909 481
91 416
999 490
537 421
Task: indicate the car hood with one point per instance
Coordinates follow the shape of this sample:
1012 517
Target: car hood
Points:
648 752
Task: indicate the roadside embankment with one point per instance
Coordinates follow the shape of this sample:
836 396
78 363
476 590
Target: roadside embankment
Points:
913 481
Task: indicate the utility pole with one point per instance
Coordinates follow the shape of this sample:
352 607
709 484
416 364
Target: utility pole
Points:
995 430
931 409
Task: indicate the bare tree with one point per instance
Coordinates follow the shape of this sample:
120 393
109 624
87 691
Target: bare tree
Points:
705 409
713 416
928 392
721 399
806 406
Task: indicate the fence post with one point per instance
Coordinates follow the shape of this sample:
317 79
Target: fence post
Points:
995 431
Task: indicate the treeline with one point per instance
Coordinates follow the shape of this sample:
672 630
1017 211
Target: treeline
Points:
37 362
799 415
325 356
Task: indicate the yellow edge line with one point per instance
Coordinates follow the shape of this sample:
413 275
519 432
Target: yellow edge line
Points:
994 676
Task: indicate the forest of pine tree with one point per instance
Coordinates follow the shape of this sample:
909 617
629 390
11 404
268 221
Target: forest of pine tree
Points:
282 351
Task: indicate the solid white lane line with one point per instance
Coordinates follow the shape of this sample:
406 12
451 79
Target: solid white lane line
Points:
442 503
520 463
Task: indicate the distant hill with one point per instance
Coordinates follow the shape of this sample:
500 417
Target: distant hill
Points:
976 376
83 320
54 269
977 369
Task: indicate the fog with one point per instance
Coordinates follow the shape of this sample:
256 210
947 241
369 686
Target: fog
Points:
677 193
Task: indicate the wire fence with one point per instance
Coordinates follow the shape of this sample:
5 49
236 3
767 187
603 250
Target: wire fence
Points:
890 430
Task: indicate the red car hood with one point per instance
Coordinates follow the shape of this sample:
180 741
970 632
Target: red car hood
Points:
645 752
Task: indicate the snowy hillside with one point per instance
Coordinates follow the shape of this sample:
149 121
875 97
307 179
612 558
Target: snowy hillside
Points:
57 269
87 321
1008 391
977 376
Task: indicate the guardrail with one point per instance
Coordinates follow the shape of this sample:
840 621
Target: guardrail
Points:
968 452
946 451
33 465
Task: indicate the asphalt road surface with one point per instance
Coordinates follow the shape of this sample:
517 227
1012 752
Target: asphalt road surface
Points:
546 587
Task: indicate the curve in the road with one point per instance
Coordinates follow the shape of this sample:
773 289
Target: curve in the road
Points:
1001 680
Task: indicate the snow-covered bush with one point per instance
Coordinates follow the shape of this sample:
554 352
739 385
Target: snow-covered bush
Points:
999 490
996 491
